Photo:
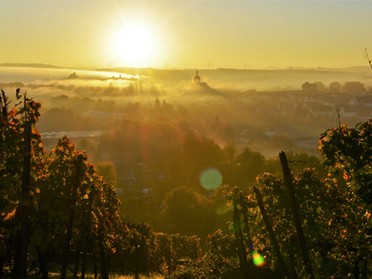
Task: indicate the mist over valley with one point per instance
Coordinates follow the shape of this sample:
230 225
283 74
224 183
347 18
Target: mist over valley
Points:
265 110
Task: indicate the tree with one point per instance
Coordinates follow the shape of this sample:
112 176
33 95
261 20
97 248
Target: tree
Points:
334 227
54 207
335 87
108 172
250 164
353 87
188 212
20 158
349 150
309 87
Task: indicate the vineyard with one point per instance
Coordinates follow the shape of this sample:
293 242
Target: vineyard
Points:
60 218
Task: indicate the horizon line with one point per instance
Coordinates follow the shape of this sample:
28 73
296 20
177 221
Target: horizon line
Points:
47 65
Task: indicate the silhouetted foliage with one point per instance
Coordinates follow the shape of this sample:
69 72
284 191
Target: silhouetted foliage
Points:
69 206
60 213
350 151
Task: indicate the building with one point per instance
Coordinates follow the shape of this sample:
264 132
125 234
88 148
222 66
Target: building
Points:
196 79
198 85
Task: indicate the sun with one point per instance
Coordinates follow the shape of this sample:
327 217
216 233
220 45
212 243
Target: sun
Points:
134 44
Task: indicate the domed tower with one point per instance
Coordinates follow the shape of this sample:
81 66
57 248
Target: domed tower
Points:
196 78
198 86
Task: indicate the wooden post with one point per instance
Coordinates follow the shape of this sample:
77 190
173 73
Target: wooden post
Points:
273 239
248 240
296 214
66 247
78 167
103 254
242 253
20 260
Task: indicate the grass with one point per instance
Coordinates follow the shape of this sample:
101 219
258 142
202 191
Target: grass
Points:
155 276
91 276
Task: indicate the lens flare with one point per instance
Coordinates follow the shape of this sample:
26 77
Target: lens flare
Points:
258 260
210 179
223 209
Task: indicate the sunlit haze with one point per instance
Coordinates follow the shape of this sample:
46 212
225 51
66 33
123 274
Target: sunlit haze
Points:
186 34
192 139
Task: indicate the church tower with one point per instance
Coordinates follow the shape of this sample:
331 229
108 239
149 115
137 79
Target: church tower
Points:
196 78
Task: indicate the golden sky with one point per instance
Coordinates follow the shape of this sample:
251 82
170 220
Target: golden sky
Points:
186 34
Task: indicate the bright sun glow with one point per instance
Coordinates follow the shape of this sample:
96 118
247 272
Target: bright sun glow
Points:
134 44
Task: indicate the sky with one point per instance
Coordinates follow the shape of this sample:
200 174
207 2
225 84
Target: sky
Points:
186 34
